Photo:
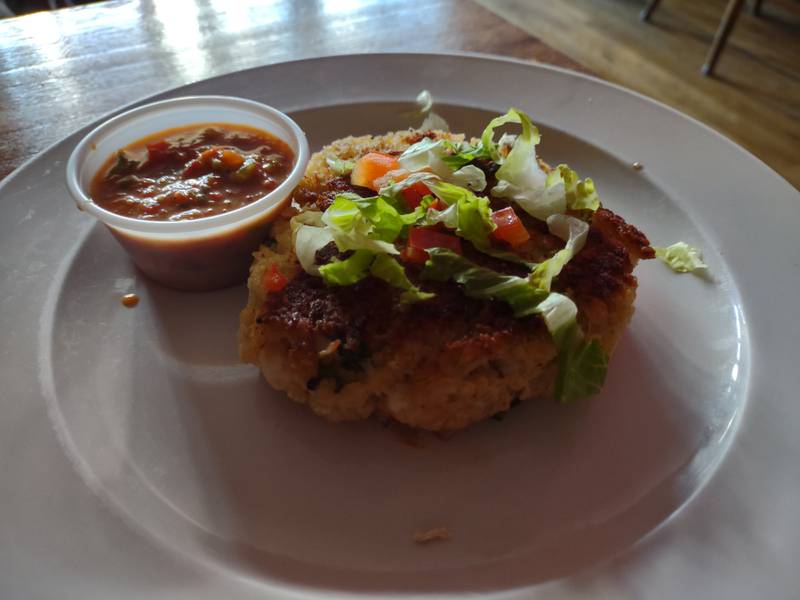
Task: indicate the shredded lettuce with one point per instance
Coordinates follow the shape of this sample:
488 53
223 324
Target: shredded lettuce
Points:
362 263
353 223
357 225
424 101
470 216
520 177
462 153
343 214
505 143
309 235
558 312
387 268
348 271
433 156
386 221
424 176
579 194
681 257
426 154
582 363
471 177
482 283
392 194
340 167
448 217
431 120
529 132
473 214
574 232
434 121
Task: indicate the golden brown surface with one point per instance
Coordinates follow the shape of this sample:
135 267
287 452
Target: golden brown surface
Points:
754 95
61 70
353 351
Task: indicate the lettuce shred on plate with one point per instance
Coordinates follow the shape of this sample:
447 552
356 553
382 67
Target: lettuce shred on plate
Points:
681 257
434 216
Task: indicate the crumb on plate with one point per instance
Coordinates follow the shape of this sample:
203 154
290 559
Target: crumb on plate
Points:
432 535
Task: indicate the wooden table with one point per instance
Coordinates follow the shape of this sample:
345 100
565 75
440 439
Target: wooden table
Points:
61 70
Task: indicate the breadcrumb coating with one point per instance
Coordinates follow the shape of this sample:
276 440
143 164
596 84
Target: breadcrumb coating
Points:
440 365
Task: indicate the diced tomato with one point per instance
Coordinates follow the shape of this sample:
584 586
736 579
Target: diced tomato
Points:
370 167
180 197
414 194
509 227
158 151
215 159
230 159
199 164
439 226
274 280
414 255
422 238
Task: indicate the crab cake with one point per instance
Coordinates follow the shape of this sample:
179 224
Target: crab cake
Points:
446 302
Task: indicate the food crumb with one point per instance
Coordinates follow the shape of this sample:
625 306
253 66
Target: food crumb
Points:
130 300
432 535
637 166
408 436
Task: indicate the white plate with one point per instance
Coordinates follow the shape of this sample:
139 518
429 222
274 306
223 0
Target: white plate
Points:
139 459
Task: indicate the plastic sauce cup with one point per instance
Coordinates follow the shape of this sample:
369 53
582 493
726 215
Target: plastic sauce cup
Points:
200 254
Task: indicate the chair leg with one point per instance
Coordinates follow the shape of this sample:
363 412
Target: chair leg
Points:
647 11
755 8
723 31
4 10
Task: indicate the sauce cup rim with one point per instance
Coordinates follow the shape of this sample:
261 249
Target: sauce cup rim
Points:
191 227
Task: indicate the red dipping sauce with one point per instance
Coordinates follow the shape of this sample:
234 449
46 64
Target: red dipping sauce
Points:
192 172
190 186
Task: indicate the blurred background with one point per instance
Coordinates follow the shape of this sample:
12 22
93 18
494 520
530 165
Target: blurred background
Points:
751 95
732 64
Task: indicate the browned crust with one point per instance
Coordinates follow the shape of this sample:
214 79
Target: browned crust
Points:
368 315
615 227
359 314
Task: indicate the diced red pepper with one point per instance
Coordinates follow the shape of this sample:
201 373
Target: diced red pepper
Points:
509 227
274 280
422 238
370 167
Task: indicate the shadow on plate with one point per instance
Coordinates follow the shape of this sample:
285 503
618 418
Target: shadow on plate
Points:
543 494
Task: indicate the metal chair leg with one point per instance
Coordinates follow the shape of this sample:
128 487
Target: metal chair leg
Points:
651 5
723 31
